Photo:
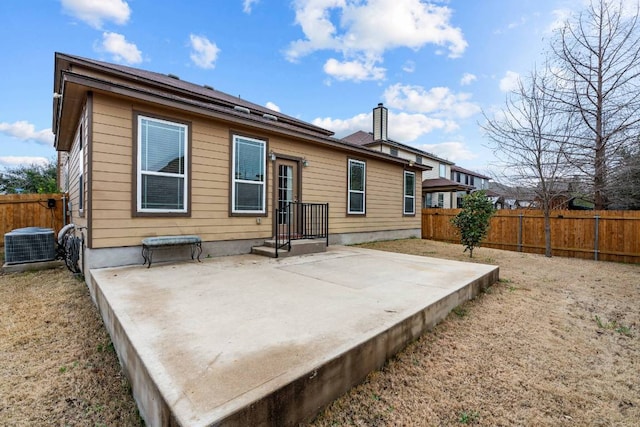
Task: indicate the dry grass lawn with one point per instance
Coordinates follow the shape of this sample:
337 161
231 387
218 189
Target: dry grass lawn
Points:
556 342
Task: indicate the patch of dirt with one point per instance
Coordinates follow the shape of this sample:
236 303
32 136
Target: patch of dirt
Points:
57 364
555 342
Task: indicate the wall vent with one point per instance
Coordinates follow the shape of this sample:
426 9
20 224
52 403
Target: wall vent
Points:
31 244
242 109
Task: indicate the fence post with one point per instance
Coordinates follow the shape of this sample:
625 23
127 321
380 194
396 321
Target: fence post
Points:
520 232
596 237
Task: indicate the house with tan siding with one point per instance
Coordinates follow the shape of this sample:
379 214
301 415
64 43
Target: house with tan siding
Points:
145 154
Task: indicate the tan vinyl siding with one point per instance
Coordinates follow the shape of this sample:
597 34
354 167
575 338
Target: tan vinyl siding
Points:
324 180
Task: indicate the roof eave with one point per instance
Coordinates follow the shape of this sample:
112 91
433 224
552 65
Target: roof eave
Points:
92 83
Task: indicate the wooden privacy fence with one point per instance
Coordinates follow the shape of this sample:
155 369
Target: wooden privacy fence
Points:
599 235
30 210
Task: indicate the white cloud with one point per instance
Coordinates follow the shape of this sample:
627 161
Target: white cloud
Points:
15 161
453 151
467 79
95 12
560 17
345 127
353 70
409 67
270 105
248 4
439 101
402 126
204 52
26 131
366 30
510 81
120 49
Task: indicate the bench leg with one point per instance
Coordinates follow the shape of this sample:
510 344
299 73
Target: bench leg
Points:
196 247
146 254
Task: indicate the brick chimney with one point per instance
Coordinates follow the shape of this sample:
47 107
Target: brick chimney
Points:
380 123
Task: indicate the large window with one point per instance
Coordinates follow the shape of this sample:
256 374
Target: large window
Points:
409 193
162 166
356 187
248 190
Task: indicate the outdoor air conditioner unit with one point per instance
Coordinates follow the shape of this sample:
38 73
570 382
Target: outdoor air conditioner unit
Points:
31 244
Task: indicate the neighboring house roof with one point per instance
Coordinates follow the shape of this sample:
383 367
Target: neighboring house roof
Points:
365 139
455 168
443 184
75 75
517 193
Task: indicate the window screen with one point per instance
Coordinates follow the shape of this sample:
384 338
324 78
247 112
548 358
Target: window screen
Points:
409 193
162 174
248 175
356 185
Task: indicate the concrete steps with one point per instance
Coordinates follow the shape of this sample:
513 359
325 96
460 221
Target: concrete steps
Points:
298 247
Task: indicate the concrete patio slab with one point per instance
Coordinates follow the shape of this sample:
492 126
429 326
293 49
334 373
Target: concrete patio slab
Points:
248 340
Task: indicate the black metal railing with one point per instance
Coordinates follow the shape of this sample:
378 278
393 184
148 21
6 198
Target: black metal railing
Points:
297 221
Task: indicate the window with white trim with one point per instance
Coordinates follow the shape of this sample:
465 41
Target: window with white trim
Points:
248 189
162 166
356 187
409 193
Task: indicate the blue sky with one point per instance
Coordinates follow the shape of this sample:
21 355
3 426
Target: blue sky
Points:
435 65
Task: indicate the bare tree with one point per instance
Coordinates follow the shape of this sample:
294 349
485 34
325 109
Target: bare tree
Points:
596 62
530 138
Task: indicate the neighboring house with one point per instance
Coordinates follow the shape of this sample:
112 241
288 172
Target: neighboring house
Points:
437 189
567 195
506 197
473 179
146 154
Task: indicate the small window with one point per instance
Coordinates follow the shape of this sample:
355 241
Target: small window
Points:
418 159
443 170
356 187
428 200
472 181
248 190
80 171
394 151
409 193
441 200
162 166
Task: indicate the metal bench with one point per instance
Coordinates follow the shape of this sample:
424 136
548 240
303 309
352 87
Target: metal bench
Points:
151 243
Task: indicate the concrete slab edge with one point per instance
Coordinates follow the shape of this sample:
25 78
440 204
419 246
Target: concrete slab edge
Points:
152 405
304 397
301 399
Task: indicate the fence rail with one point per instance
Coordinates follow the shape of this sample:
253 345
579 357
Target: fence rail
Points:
30 210
599 235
